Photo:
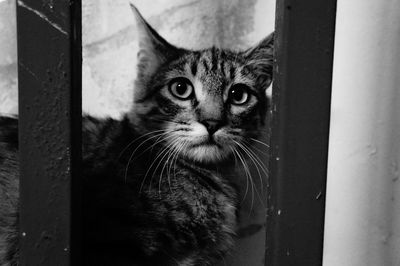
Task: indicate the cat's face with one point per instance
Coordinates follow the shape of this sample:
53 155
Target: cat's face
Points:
200 104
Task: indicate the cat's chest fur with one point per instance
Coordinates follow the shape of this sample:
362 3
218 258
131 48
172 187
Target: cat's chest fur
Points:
140 210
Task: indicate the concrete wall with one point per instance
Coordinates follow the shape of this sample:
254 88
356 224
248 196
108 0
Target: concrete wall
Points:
363 193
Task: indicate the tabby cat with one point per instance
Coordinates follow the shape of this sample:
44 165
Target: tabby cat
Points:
156 186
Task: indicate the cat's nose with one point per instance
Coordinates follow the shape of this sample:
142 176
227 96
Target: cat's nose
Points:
211 125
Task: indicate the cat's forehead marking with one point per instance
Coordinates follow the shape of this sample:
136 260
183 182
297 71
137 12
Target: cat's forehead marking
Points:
212 83
209 59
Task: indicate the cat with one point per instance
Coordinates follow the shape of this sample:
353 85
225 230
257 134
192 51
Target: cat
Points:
156 182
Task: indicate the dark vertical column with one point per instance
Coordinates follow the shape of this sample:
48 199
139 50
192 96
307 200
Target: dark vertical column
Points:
300 128
49 58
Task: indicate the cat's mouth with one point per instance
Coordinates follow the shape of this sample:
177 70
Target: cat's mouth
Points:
207 142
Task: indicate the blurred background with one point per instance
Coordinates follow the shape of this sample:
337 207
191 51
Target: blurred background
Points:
363 191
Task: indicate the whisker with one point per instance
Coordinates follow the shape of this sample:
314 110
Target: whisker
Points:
250 178
168 154
163 153
154 161
259 161
246 173
234 156
133 153
257 149
136 139
167 164
246 167
175 130
259 174
251 158
260 142
159 140
183 147
172 165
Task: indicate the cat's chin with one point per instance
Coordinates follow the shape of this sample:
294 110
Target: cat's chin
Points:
207 154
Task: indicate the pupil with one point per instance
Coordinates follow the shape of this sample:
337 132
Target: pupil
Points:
181 88
237 95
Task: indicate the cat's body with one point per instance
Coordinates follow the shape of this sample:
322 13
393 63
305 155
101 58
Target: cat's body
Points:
156 184
184 216
9 184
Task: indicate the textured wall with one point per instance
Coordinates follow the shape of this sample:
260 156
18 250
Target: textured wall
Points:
8 58
363 193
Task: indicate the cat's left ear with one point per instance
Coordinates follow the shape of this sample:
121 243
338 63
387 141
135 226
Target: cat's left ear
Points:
153 49
260 59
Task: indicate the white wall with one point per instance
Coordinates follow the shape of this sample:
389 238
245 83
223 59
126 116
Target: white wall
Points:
363 192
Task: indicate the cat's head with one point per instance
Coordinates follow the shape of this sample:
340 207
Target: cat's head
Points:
200 104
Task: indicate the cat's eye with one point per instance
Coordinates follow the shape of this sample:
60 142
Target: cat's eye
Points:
239 94
181 88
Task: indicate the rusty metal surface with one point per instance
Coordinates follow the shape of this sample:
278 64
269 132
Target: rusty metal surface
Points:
50 115
300 129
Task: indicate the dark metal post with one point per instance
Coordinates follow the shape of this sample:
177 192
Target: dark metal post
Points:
49 62
300 128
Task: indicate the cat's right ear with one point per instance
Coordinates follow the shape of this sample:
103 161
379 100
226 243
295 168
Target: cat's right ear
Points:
260 58
153 49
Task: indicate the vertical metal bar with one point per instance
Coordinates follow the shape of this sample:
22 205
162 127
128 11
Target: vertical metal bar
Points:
300 128
49 129
76 129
